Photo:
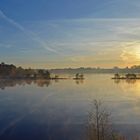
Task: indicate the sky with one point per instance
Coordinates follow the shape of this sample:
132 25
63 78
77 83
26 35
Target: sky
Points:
70 33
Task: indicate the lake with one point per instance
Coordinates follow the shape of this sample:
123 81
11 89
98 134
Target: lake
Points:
58 109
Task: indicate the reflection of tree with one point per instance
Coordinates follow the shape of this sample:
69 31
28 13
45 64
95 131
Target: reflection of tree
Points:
11 83
129 81
42 83
56 80
79 81
116 81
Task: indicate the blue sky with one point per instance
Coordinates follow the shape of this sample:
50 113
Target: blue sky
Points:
70 33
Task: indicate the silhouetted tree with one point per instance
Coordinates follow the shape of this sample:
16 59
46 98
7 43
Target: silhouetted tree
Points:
99 124
44 74
56 76
77 75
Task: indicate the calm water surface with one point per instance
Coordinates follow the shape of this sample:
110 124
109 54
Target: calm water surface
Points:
58 110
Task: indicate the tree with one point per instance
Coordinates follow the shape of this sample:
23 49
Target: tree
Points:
44 74
77 75
99 123
81 76
56 76
48 75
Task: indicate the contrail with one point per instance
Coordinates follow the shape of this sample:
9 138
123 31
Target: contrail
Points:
31 34
99 9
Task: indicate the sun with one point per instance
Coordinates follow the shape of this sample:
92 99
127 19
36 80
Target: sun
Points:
131 54
137 51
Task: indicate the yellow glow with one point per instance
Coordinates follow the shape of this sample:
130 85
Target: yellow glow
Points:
131 53
137 51
134 88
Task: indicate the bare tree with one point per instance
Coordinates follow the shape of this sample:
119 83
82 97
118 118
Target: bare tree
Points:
99 123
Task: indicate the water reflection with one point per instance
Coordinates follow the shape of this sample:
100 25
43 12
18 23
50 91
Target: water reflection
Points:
129 81
101 127
12 83
60 111
40 83
79 81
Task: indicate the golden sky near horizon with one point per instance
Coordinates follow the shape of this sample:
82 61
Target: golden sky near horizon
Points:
123 55
59 33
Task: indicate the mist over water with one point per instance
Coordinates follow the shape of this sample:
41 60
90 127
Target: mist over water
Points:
58 109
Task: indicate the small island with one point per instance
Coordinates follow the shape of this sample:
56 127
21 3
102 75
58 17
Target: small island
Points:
79 77
10 71
126 76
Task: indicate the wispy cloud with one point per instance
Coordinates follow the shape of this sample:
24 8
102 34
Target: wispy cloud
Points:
81 41
29 33
130 51
7 46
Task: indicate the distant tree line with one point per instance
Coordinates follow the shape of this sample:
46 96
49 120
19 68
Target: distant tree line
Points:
133 69
11 71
